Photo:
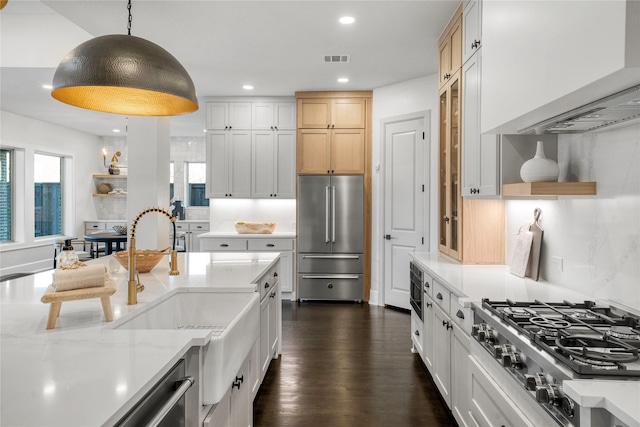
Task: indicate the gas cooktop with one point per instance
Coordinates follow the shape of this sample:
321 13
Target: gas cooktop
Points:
590 339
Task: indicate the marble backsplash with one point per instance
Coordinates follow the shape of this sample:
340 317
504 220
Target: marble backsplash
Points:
592 244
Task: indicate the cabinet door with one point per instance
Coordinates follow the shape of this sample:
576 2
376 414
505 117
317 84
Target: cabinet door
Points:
284 177
444 60
274 303
314 113
428 343
217 164
348 113
239 115
262 116
217 115
480 152
450 195
241 402
286 271
456 45
450 48
442 354
347 151
460 377
471 21
239 164
265 356
313 151
262 159
285 115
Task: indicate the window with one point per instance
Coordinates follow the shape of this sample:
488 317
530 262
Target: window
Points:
171 175
47 179
196 179
6 191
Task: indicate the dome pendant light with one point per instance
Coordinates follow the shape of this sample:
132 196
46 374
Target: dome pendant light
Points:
123 74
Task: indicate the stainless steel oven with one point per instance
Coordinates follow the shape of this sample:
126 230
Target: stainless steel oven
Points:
415 288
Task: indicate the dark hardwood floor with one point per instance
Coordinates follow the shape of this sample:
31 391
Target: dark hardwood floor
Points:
347 365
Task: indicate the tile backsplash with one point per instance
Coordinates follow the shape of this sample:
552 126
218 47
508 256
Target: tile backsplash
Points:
592 244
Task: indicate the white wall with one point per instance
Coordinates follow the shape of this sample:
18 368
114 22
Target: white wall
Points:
598 238
29 254
399 99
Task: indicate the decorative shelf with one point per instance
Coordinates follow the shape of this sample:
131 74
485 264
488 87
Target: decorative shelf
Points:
106 175
109 195
548 190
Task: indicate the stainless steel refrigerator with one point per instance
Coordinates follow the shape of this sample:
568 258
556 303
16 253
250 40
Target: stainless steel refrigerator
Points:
330 237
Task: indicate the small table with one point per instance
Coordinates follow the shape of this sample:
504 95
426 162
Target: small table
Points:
109 238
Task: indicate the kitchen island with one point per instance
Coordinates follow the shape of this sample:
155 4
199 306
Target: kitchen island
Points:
84 372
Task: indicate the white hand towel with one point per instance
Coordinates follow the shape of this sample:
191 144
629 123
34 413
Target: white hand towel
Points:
90 276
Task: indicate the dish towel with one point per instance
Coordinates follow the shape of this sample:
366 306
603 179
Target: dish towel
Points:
88 276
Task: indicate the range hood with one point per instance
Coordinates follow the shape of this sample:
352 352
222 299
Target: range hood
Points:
613 109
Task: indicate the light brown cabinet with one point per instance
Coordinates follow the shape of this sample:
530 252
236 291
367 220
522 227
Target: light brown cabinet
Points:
450 48
331 151
325 113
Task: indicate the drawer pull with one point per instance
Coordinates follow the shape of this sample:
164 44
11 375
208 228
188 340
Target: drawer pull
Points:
417 333
427 285
224 245
428 304
272 295
460 314
266 285
331 276
355 257
270 245
446 324
439 296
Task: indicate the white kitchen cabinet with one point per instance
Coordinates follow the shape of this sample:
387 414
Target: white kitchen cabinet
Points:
471 29
229 164
270 318
460 376
273 164
228 115
273 115
544 58
428 334
417 333
480 153
442 353
285 246
236 407
188 233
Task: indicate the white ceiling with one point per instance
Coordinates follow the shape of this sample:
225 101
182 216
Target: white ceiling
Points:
276 46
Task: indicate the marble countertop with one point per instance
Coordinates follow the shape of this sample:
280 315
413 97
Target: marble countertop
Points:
235 235
471 283
82 373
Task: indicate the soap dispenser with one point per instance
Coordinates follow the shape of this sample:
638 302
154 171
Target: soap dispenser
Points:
67 256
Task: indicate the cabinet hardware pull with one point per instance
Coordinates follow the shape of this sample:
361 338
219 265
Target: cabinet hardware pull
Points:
236 384
224 245
417 333
276 127
446 219
328 126
272 295
187 382
330 286
447 325
275 274
428 304
460 314
439 296
229 127
331 276
240 378
354 257
270 245
427 285
271 127
266 285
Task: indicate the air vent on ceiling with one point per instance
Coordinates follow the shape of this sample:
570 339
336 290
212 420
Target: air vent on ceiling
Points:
337 58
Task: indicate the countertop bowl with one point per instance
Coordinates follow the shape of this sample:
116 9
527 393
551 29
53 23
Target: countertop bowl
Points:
255 227
120 229
146 259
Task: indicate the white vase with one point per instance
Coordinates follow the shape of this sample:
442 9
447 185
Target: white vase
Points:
539 169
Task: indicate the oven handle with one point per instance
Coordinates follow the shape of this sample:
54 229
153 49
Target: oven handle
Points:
187 382
331 276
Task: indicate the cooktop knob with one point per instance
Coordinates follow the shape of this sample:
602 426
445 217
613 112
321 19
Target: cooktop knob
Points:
491 336
531 381
568 407
512 360
500 350
477 331
550 394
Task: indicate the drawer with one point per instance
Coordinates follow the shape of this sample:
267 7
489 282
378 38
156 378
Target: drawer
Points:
461 315
270 244
441 296
268 281
182 226
90 226
321 263
428 283
199 226
223 244
416 332
330 287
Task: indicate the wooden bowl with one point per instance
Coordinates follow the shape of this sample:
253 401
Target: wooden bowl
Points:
255 227
146 259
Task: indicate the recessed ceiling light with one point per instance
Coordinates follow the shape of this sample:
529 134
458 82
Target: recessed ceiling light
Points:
47 87
247 87
347 20
204 130
343 79
116 130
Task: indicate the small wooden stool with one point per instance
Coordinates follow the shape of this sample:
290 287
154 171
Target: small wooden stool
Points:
57 298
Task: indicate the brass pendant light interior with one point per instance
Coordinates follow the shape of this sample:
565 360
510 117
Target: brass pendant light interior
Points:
124 74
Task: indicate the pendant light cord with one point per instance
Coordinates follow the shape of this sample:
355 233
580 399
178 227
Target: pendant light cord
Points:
130 18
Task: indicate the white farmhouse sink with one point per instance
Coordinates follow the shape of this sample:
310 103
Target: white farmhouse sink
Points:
233 318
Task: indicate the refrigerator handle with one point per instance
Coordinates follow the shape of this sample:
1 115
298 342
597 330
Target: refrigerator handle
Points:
327 218
333 214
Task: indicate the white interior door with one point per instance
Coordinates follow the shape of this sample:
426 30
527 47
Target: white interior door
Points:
404 146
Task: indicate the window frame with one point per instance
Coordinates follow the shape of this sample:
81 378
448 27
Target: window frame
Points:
12 203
